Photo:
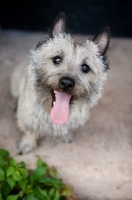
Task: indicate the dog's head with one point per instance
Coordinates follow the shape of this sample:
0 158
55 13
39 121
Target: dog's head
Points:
68 70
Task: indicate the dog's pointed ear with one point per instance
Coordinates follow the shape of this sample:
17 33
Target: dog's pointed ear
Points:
102 39
59 26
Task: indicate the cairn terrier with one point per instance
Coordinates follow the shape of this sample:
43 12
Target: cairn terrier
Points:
62 81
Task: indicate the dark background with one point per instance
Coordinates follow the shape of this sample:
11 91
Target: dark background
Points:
84 16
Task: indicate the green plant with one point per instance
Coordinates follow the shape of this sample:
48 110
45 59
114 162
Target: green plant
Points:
19 183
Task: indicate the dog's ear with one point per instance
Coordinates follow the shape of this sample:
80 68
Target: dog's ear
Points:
59 26
102 39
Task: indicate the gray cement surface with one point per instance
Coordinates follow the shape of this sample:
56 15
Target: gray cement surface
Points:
98 164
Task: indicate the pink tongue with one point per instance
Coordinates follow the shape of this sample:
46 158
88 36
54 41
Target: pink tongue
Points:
60 111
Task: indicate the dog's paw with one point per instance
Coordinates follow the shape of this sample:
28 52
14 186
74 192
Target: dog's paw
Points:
27 144
68 138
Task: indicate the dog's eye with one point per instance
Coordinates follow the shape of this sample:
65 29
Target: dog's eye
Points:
85 68
57 60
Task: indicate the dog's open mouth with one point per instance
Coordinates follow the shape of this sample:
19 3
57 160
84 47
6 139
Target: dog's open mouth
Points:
60 107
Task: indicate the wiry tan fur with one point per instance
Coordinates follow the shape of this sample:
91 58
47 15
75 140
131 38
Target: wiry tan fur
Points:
41 75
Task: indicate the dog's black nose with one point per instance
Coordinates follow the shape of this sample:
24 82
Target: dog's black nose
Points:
66 83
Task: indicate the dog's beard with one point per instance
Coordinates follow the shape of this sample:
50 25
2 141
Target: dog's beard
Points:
60 111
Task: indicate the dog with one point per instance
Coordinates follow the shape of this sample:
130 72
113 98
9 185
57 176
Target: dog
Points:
60 84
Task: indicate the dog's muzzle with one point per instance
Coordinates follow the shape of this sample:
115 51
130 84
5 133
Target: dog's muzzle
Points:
61 100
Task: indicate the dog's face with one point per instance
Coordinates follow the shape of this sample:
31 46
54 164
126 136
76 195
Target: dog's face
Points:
70 70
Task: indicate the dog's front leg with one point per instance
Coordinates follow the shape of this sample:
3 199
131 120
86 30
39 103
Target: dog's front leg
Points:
27 143
68 138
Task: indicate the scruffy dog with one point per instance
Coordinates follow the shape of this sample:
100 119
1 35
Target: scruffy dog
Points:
62 81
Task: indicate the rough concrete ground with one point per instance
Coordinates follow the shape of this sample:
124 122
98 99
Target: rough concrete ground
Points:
98 164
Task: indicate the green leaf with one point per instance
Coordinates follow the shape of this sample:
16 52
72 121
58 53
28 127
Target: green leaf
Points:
12 162
23 184
66 192
5 190
4 153
12 197
21 164
31 196
51 193
41 193
2 175
21 193
39 172
10 170
41 163
52 171
57 195
3 162
52 182
11 182
23 172
17 176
